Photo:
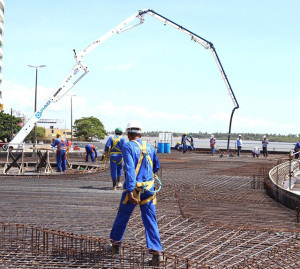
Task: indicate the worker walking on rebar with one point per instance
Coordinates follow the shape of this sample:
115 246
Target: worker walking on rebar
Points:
212 143
184 140
113 151
91 151
141 162
61 145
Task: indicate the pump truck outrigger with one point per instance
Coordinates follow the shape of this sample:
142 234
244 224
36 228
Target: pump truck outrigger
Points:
81 69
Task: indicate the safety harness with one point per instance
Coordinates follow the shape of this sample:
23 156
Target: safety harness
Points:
141 187
114 149
62 148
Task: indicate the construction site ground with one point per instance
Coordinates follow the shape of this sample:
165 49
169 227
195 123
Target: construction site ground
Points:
210 209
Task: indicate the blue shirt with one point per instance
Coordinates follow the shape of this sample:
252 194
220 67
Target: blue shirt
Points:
119 145
297 147
60 143
183 139
265 143
131 155
239 142
91 149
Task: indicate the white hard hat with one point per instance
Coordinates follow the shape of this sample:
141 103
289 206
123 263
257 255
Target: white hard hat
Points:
212 136
264 136
134 126
240 135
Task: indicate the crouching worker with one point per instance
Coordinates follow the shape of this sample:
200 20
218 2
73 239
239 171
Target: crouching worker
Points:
255 152
90 151
61 145
141 163
113 150
177 146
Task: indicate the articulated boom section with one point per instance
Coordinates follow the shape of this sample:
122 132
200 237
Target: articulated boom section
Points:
80 68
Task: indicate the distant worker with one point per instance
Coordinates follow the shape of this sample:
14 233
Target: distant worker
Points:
177 146
212 143
92 152
191 142
297 149
61 145
184 143
265 143
255 152
113 151
239 144
141 162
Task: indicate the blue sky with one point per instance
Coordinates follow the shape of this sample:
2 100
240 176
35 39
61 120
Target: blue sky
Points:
155 73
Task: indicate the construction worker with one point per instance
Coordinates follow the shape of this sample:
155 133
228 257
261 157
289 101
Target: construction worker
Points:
212 143
255 152
177 146
113 151
184 143
296 150
141 162
91 151
239 144
265 143
61 145
192 142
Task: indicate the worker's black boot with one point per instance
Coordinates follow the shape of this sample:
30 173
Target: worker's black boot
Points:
114 185
114 249
119 184
157 259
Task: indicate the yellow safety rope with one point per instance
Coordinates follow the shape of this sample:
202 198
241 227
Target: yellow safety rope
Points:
114 146
140 186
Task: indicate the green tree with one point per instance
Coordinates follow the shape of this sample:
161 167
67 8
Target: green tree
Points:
40 134
88 128
5 125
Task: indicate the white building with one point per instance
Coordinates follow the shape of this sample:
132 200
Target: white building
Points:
52 124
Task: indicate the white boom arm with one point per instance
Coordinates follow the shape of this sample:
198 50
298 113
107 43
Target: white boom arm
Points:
80 68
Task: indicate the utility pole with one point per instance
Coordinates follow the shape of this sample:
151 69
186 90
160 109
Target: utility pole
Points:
35 103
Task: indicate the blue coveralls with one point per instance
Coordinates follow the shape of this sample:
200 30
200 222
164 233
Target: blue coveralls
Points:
90 149
61 151
296 149
115 144
192 143
184 144
131 154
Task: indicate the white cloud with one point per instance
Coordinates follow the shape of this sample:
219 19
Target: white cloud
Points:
21 98
249 124
109 109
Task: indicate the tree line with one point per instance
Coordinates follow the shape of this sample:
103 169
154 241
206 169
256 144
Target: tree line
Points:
291 138
92 128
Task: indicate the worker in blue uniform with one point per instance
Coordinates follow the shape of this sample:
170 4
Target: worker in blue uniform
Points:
141 162
91 151
61 145
177 146
184 142
296 150
191 142
113 151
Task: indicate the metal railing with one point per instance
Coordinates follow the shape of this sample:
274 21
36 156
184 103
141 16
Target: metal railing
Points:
285 171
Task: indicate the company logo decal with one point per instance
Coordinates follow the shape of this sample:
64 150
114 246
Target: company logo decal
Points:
40 113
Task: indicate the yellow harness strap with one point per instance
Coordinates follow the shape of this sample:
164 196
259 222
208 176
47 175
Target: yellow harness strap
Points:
114 146
142 185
